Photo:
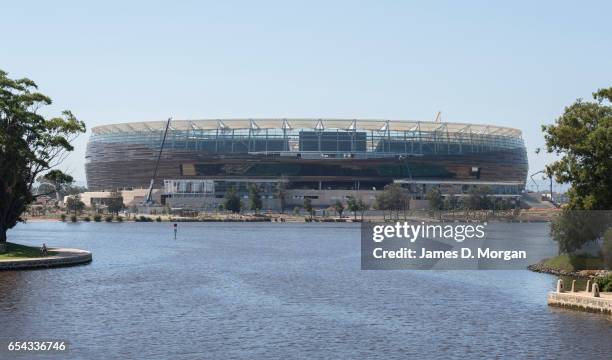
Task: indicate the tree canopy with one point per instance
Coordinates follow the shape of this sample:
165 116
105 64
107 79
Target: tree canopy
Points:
115 202
232 201
435 199
354 205
339 207
58 180
30 145
255 202
75 204
392 198
582 136
308 206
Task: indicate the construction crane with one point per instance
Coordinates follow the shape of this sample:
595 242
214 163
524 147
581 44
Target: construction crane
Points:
551 183
149 198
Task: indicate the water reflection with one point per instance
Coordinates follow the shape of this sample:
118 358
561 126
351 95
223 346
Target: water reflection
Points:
278 290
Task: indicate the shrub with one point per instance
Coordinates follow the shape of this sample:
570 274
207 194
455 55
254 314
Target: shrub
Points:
97 218
73 218
119 218
108 218
63 217
604 283
143 218
87 219
158 219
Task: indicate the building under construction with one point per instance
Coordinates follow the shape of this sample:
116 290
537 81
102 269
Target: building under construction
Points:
322 159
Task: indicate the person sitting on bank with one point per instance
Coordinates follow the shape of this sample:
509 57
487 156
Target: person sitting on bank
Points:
44 250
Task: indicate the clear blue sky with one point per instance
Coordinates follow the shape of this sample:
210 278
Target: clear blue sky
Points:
514 63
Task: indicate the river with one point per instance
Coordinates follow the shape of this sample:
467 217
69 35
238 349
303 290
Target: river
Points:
277 290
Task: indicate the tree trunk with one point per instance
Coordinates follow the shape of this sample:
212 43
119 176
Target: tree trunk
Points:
2 241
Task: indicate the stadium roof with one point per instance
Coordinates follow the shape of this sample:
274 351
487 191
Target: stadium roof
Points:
315 124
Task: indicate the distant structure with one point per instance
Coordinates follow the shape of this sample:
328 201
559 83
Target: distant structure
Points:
149 198
325 160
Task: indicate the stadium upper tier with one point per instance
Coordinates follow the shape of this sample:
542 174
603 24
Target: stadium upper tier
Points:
315 135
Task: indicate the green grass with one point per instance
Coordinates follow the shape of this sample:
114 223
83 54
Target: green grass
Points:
575 262
16 251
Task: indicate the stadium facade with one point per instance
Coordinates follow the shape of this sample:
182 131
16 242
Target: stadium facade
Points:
322 159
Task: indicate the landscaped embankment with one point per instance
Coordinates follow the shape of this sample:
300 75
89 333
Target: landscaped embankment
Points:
56 257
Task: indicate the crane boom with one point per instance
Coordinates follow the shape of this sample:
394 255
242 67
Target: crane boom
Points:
149 198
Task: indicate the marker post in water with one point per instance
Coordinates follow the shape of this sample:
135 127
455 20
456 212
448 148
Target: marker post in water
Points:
175 230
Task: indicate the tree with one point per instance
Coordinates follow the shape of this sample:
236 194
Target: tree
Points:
308 206
339 208
232 201
255 202
75 204
281 195
115 202
478 198
353 205
30 145
434 196
583 138
58 180
451 202
362 207
392 198
574 228
383 202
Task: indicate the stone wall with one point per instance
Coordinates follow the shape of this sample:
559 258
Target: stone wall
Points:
580 302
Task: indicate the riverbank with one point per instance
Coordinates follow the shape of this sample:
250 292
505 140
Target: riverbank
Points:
577 266
17 251
528 216
21 257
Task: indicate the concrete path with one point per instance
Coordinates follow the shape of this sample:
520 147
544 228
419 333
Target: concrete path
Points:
582 300
64 257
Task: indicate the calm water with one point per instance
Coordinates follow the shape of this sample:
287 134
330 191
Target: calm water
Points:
277 291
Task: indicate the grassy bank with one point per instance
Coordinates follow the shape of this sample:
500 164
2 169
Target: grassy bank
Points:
16 251
570 263
577 266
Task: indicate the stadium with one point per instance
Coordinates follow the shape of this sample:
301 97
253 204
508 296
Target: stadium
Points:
322 159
